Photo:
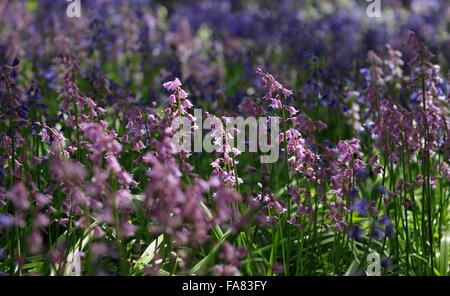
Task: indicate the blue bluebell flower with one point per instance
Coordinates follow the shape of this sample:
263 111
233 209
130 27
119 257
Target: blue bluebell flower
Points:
356 233
361 206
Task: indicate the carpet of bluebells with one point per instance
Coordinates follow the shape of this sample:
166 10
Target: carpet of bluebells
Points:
91 183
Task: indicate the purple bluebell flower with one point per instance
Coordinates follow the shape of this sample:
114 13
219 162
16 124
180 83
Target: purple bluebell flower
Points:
389 228
6 221
361 173
353 193
361 206
377 234
356 233
2 255
385 262
389 231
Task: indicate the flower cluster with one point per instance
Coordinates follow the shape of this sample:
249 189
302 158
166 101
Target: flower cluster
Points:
92 181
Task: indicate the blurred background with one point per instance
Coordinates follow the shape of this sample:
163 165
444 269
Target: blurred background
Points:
215 46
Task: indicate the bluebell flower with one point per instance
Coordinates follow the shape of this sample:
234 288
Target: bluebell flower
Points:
385 220
2 174
385 262
381 189
378 234
389 231
356 233
353 193
389 228
6 221
2 255
361 273
361 173
360 206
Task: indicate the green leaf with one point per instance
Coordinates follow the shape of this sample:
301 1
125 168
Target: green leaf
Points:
352 268
205 260
444 253
149 253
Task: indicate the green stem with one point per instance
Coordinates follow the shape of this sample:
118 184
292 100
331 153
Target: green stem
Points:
75 108
289 197
11 125
426 163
